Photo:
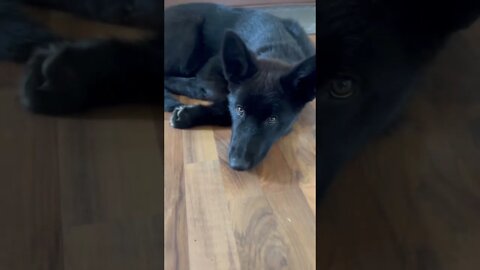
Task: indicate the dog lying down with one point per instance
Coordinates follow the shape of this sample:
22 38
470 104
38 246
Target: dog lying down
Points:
258 70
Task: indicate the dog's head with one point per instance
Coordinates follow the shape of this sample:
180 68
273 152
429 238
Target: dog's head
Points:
265 98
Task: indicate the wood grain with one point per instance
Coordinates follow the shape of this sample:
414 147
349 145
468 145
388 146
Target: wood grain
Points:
111 174
175 218
267 225
30 226
210 233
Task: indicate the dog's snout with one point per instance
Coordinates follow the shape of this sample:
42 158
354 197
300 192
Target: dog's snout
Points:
239 164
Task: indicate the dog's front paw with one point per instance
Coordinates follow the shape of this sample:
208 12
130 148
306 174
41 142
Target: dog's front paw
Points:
183 117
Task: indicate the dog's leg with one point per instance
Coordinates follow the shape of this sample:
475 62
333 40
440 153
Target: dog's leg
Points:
192 87
189 116
188 87
73 77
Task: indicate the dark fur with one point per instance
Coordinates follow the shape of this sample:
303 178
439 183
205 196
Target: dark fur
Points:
73 77
379 47
238 57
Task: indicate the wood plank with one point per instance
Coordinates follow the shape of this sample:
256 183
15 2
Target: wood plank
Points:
280 184
110 166
112 178
211 240
199 145
260 242
125 244
30 226
176 236
298 150
263 223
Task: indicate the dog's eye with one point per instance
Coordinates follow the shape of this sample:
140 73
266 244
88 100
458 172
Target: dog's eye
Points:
240 110
342 88
271 120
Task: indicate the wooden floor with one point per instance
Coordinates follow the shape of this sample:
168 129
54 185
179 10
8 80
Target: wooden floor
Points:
217 218
86 192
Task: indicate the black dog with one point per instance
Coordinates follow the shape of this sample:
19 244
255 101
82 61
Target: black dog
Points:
259 70
369 54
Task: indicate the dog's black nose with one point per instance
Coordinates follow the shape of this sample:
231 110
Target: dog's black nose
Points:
239 164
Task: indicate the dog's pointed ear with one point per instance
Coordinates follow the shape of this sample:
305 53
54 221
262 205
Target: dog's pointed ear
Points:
301 81
238 62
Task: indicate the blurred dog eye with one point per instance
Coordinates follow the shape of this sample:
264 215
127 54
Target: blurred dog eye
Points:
271 120
240 111
342 88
